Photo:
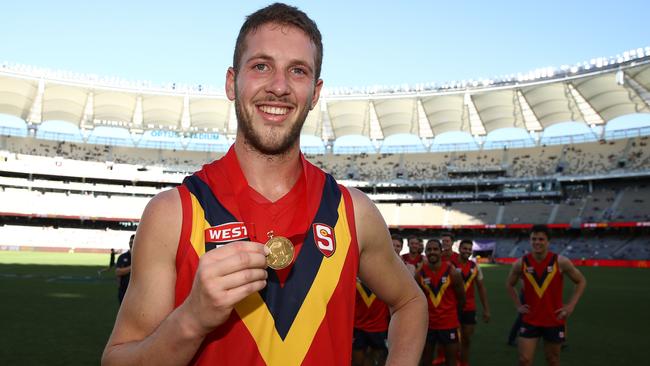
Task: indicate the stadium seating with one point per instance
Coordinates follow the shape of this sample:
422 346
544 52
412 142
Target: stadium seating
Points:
54 179
14 236
51 204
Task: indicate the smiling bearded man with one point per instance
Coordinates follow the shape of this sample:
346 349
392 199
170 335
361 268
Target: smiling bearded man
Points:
254 259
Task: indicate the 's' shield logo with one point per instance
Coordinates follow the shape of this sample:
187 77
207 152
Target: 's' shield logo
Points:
324 237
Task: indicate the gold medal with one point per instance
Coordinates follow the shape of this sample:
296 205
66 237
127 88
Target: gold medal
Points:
281 251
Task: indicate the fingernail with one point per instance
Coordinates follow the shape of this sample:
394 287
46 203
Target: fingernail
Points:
267 251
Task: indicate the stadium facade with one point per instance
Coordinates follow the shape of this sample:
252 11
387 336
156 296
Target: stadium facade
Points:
85 186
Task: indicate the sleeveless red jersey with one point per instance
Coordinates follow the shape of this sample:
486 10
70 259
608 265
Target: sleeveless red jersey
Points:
371 314
454 258
304 316
414 261
443 313
469 273
542 290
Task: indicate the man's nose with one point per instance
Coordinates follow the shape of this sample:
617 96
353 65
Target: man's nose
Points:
279 84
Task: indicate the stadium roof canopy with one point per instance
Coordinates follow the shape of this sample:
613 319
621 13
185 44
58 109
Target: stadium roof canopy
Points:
593 94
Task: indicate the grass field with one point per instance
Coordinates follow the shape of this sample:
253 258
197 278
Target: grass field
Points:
56 310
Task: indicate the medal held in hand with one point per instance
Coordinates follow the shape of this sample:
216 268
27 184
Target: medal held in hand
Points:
281 251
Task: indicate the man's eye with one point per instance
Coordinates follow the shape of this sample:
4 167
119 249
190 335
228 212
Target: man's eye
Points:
298 71
260 67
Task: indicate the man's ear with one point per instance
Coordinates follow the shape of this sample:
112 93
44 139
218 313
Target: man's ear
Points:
231 76
316 96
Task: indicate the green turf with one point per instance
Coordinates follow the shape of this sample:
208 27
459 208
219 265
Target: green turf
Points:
59 312
72 259
608 326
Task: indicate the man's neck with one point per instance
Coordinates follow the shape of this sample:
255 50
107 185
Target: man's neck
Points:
435 266
540 256
272 176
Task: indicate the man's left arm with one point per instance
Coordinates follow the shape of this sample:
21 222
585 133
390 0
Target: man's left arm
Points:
385 274
579 282
482 294
459 289
121 269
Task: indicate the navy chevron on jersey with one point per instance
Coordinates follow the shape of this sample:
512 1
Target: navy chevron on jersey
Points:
371 314
469 273
443 313
542 290
304 315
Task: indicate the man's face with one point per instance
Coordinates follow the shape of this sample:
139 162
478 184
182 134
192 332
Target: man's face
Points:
539 243
397 246
446 243
465 251
415 246
433 252
274 88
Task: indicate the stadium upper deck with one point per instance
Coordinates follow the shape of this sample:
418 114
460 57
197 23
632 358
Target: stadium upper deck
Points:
592 93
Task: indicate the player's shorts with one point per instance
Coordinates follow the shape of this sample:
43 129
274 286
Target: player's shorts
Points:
363 339
467 317
550 334
442 336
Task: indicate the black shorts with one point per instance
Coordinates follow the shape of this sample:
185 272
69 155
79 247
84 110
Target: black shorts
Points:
550 334
467 317
362 339
442 336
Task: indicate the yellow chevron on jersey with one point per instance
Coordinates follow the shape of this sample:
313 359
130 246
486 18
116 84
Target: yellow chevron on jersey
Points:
259 321
436 298
468 282
199 224
366 299
530 276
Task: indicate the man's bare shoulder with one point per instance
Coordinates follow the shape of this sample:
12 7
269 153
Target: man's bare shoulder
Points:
565 263
369 221
362 203
161 220
168 199
516 265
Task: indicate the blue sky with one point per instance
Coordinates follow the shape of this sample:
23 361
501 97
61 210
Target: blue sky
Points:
366 42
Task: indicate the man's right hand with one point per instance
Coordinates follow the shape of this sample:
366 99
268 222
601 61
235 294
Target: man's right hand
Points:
225 276
523 309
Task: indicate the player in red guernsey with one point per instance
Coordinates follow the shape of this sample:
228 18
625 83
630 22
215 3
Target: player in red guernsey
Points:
370 328
472 278
202 289
414 257
447 240
443 286
397 243
543 313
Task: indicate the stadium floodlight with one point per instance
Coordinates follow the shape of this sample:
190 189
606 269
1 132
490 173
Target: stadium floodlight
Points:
626 55
620 77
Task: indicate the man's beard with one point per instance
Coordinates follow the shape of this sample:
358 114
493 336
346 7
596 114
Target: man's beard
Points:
277 145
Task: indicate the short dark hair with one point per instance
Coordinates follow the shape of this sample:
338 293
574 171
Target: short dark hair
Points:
435 241
447 233
282 14
396 237
541 229
466 241
411 237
